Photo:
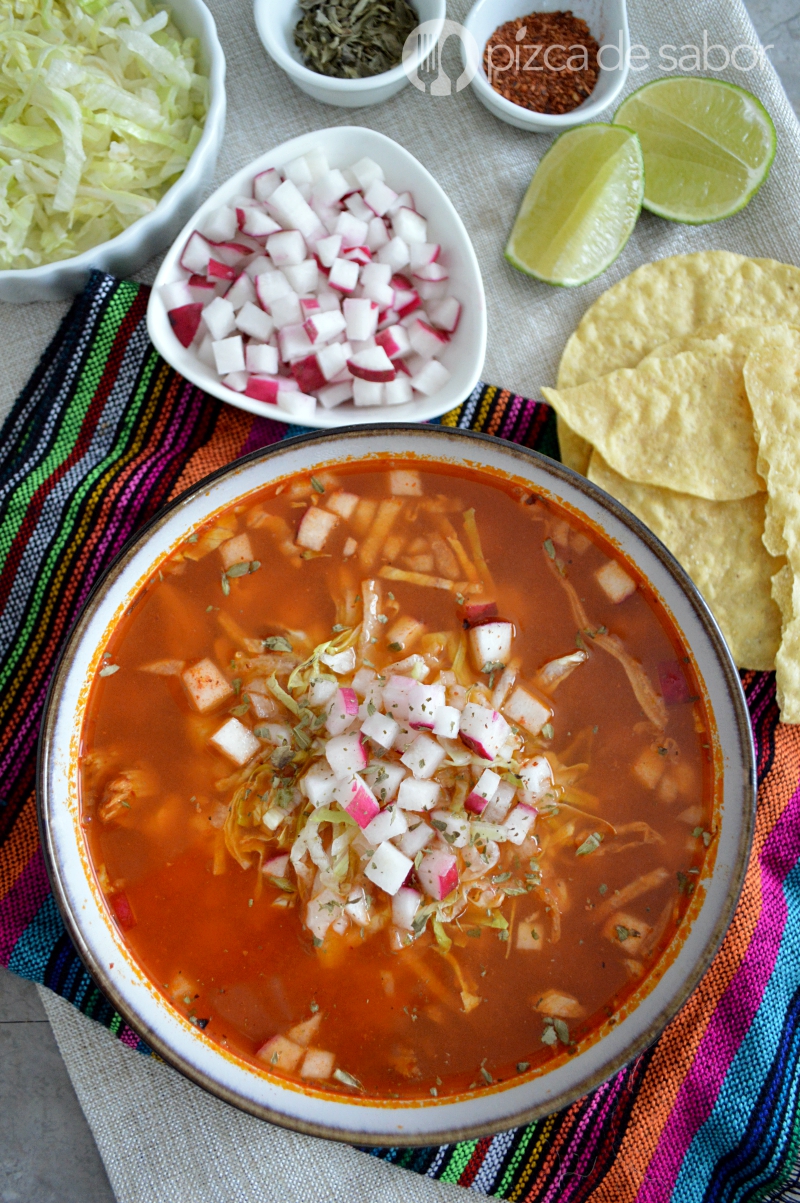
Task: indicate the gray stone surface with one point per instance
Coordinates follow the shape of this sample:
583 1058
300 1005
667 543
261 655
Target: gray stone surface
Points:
47 1154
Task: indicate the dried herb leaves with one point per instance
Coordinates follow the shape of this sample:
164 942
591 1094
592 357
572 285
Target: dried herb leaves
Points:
353 39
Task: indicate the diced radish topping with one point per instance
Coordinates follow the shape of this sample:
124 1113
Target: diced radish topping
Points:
380 197
446 721
294 212
423 757
220 271
431 273
527 709
388 868
270 285
426 341
377 235
315 526
483 793
361 316
285 311
355 204
519 823
405 905
483 731
287 247
373 364
389 824
293 343
405 482
219 226
397 391
323 327
453 828
417 794
320 785
236 381
330 188
263 388
380 728
359 801
346 754
394 341
438 873
206 685
358 254
236 741
176 295
537 777
196 255
303 277
366 172
368 392
474 611
317 1065
674 688
343 275
490 643
185 322
385 779
229 354
281 1054
353 231
241 292
498 808
265 184
219 318
409 226
232 254
331 396
276 866
343 708
431 378
328 249
615 582
255 222
418 836
395 253
261 357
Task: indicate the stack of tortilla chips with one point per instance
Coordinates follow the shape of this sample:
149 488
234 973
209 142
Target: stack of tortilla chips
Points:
679 393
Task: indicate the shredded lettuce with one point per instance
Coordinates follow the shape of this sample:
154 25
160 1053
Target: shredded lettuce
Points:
101 107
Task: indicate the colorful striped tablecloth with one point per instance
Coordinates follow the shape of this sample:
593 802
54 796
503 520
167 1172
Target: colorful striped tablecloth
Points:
103 435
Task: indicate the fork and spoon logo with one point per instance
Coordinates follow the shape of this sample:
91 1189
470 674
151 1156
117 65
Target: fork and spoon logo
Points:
422 57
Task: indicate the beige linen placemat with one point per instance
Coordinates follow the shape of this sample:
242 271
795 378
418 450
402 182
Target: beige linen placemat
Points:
162 1139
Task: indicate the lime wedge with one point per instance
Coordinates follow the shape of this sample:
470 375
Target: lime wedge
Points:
708 146
581 206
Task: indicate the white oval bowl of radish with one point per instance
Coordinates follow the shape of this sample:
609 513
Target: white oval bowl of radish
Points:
330 282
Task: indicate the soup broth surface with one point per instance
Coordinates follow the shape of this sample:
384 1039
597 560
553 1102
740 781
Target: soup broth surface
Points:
266 869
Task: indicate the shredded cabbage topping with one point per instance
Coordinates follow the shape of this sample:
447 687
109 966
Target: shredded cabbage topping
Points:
101 107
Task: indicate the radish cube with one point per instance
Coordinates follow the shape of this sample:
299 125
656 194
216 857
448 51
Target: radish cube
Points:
483 731
176 295
379 197
303 277
404 201
219 271
343 275
307 374
446 721
431 290
438 873
343 504
358 254
333 395
527 709
423 757
366 172
206 685
262 388
293 343
331 360
483 792
276 866
342 709
298 171
445 314
315 526
286 248
265 184
204 352
359 801
219 226
355 205
185 322
406 302
405 482
196 255
380 728
373 364
219 318
346 754
353 231
453 828
374 289
270 285
321 692
280 1053
329 300
430 378
230 254
285 311
319 785
328 249
256 223
496 810
519 823
385 778
405 905
298 405
490 643
426 341
409 226
259 266
294 212
330 188
203 290
318 163
377 234
394 341
261 357
418 836
229 354
367 392
418 795
615 582
361 317
309 306
237 381
431 273
317 1065
423 253
340 662
241 291
387 868
236 741
395 253
386 826
251 319
323 327
397 391
537 778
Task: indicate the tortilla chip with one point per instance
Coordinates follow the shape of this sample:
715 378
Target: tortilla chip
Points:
719 544
772 378
575 451
735 339
683 423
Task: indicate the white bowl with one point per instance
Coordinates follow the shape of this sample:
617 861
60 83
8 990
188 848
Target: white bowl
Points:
344 145
311 1109
276 21
130 250
608 24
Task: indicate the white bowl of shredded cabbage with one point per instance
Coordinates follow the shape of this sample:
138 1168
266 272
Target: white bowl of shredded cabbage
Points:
112 117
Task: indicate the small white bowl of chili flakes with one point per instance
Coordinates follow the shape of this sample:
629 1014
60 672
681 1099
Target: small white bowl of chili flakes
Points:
548 69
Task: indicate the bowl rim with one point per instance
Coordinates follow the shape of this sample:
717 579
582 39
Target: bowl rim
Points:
611 1064
267 18
586 112
191 174
164 341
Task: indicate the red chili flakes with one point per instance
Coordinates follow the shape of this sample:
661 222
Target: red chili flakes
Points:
546 62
